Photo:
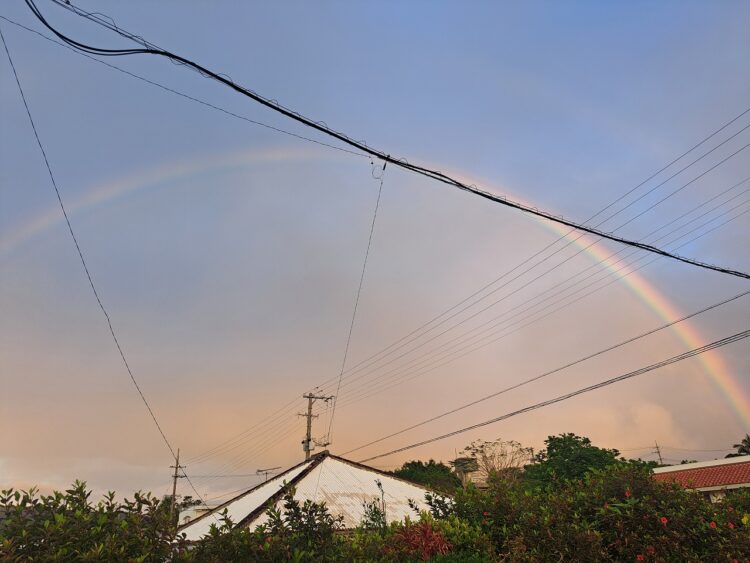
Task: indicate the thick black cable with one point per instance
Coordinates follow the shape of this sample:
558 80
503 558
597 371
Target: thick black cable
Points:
685 355
374 358
183 94
553 371
321 127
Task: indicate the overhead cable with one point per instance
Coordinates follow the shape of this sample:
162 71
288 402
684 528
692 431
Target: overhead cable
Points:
536 316
151 49
356 303
183 94
679 357
553 371
85 265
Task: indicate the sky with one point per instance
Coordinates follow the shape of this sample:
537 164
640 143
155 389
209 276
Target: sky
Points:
228 254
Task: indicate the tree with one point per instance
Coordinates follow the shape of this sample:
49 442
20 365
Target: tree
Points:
498 458
435 475
743 448
568 457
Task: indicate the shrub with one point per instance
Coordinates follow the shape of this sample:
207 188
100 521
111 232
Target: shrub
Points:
68 526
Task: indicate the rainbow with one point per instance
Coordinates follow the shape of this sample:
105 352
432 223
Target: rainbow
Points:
712 362
112 191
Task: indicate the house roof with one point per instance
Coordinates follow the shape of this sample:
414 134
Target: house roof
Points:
343 485
707 475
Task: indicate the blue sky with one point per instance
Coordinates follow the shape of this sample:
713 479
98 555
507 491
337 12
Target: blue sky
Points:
230 260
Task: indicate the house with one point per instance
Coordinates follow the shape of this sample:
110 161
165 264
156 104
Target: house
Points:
713 478
345 486
467 470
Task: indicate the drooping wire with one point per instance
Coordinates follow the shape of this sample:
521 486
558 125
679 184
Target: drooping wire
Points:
80 252
356 302
679 357
83 261
553 371
151 49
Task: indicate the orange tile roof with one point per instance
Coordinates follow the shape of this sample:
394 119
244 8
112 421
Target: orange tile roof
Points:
703 477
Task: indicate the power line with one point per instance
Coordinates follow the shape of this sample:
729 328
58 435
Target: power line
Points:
80 252
85 266
233 443
445 361
551 372
123 53
151 49
368 394
118 32
183 94
406 340
400 342
603 286
356 303
458 338
689 354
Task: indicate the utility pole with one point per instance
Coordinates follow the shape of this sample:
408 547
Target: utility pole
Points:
266 472
657 451
307 443
176 476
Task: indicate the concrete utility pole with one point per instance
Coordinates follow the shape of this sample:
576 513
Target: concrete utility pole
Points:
657 451
307 445
176 476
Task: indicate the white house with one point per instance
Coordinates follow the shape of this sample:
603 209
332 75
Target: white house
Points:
343 485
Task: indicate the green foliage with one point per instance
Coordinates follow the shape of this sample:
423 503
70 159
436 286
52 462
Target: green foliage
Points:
374 516
618 513
743 448
432 474
568 457
298 532
67 526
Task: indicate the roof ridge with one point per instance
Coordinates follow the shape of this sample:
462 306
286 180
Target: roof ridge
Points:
703 464
242 494
313 462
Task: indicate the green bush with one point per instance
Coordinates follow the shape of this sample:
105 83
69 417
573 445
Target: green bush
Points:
615 514
618 513
67 526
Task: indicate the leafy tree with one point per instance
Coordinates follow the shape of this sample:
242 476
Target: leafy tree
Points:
568 457
432 474
743 448
498 459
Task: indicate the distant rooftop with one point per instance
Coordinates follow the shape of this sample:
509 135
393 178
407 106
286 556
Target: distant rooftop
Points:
729 473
